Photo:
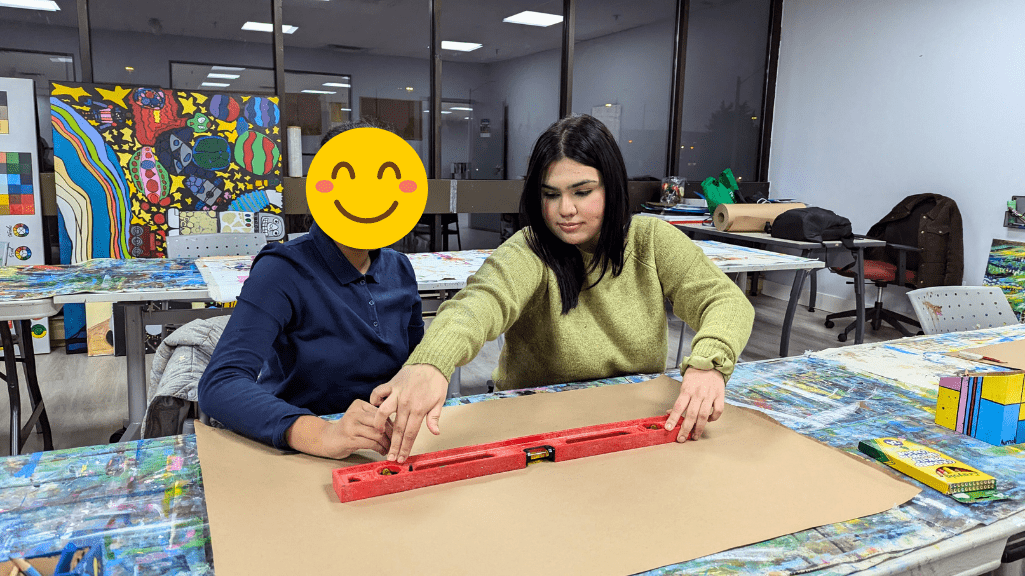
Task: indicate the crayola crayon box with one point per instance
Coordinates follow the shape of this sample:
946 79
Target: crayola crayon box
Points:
934 469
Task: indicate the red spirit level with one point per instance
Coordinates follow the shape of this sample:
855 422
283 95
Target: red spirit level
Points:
380 478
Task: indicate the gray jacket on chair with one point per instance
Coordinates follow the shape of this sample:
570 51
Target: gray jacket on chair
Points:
179 363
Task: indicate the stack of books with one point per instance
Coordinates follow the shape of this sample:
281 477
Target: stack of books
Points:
677 213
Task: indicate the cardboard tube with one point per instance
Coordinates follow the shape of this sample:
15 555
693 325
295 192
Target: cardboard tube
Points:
749 217
295 152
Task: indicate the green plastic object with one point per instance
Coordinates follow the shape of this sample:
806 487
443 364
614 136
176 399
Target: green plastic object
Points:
727 180
719 190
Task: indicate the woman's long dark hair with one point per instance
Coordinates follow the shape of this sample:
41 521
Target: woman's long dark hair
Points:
587 141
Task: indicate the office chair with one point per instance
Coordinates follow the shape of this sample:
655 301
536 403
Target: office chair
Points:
882 274
173 411
425 229
943 309
896 264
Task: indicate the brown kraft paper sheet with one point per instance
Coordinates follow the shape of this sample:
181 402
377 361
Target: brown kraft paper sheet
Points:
747 480
1011 354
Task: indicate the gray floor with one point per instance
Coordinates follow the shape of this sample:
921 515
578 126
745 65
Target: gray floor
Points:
86 398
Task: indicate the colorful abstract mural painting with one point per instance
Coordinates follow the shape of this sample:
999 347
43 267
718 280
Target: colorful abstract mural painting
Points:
1006 269
136 164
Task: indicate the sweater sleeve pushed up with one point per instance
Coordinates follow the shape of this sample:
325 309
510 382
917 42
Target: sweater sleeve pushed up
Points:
703 297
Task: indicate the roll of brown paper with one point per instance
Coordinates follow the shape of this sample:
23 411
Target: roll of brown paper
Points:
749 217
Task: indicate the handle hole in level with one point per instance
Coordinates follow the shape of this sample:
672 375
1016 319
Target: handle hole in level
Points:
601 436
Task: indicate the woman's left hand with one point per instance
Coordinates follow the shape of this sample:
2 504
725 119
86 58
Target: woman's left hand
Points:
701 400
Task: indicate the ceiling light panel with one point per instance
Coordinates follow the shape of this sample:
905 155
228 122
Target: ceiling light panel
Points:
530 18
265 27
46 5
460 46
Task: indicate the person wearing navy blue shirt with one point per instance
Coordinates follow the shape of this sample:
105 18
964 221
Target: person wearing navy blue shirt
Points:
317 327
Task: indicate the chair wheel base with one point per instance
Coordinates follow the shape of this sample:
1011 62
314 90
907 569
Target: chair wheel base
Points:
829 324
841 337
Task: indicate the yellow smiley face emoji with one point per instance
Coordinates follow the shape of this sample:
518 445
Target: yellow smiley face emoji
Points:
366 188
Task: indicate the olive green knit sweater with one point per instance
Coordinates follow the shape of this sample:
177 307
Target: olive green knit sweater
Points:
618 327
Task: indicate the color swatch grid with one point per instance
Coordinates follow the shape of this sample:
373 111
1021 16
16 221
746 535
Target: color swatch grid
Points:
16 196
5 126
987 407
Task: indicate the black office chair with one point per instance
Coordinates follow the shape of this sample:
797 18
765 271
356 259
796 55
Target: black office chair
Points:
896 264
425 229
881 273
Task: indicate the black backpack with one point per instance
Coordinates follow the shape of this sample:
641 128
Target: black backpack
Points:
813 224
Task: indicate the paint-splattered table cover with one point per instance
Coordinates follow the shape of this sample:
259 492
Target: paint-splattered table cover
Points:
436 267
458 266
434 271
224 275
139 505
98 275
732 258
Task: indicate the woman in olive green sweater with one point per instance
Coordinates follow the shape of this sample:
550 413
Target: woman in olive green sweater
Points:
579 296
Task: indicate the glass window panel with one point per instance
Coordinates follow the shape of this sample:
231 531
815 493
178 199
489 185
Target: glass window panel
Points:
723 88
511 80
200 75
134 43
622 75
313 104
383 54
41 45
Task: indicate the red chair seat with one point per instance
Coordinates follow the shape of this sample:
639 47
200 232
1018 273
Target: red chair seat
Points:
878 271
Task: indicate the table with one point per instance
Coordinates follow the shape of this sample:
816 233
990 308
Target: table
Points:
141 503
807 248
137 283
445 271
20 313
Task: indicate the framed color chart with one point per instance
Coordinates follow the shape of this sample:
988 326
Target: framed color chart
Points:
21 216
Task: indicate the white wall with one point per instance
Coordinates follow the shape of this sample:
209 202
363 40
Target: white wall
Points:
880 99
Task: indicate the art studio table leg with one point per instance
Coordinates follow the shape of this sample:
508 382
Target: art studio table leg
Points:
788 319
135 356
859 296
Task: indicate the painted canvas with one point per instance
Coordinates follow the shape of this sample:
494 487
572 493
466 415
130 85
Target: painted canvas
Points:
136 164
1006 269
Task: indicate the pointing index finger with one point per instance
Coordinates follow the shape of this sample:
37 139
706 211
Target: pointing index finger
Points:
386 409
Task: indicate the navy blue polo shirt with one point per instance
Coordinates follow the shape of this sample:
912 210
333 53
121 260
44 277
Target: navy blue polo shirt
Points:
309 335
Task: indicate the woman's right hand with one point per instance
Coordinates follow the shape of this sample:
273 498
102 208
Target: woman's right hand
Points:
339 439
417 392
